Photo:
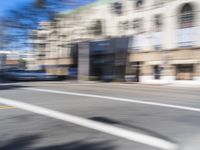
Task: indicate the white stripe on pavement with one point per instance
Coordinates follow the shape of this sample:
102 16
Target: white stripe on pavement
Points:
126 134
118 99
9 84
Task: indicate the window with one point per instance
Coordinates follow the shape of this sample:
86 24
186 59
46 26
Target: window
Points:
184 72
157 35
139 4
158 22
117 8
96 28
187 30
186 16
138 25
124 25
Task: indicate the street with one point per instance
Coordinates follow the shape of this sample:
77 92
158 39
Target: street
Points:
98 116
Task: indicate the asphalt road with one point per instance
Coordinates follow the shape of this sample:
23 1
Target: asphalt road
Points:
171 114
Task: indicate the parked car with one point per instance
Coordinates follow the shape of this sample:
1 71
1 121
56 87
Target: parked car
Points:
17 74
43 76
28 75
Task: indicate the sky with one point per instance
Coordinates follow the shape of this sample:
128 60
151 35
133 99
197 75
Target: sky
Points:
6 5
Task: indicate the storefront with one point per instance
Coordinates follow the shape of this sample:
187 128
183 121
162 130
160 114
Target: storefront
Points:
104 59
184 72
108 59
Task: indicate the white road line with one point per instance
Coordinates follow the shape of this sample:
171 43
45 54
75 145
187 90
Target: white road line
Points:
9 84
123 133
118 99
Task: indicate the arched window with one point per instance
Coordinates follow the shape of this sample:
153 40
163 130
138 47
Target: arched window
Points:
186 16
187 30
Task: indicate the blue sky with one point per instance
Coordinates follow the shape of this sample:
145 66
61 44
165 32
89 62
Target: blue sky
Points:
6 5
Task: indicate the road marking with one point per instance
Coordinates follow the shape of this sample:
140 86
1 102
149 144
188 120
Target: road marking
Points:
123 133
6 107
118 99
9 84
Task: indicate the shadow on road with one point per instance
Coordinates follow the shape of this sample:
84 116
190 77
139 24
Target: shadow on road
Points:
10 86
26 142
137 128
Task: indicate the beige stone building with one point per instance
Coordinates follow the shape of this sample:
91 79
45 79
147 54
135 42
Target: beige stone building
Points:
163 41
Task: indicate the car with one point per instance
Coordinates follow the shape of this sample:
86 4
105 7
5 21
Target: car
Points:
18 75
41 75
28 75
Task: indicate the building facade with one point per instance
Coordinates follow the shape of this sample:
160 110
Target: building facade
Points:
163 40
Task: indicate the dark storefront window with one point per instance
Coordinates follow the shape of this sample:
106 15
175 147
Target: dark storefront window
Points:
184 72
108 59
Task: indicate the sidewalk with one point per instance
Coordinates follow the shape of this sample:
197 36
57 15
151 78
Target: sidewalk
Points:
157 83
185 84
173 84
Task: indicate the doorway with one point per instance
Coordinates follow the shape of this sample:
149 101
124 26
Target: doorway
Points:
157 72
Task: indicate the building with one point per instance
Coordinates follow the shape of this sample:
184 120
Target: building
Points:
8 59
148 40
50 53
17 59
